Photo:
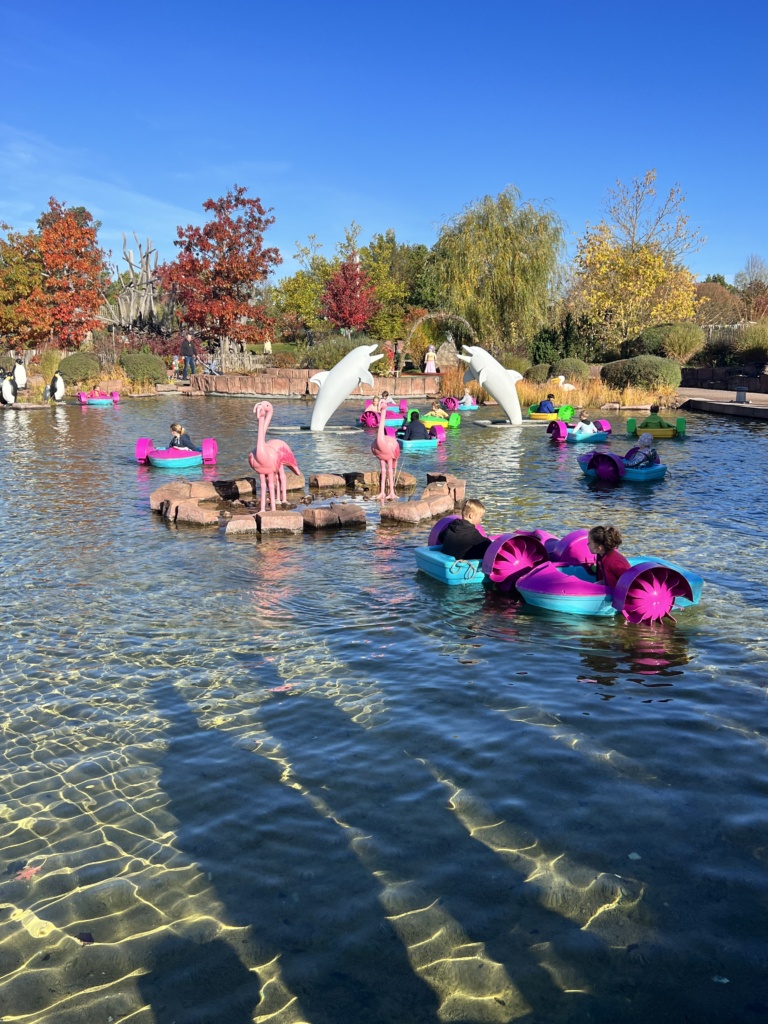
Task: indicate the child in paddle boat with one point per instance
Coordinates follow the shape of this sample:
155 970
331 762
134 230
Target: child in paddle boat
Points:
603 542
584 425
414 430
462 539
467 399
547 405
437 410
96 393
654 420
645 454
181 439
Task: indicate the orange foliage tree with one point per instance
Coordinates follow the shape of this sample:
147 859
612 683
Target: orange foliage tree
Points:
218 266
52 280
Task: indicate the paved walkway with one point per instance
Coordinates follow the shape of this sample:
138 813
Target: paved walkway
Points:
723 403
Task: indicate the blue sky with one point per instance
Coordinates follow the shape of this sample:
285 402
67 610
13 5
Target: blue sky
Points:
395 115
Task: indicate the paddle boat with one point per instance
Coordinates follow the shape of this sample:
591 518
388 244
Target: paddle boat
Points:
656 432
562 412
647 592
610 468
510 556
175 458
395 417
102 398
452 423
426 444
559 431
456 405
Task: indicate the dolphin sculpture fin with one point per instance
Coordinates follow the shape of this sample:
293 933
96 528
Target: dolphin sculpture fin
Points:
319 378
366 377
469 377
481 377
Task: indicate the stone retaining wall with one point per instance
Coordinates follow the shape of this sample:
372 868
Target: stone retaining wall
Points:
290 383
726 378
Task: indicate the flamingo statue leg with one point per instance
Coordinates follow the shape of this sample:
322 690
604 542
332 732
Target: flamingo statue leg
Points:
285 457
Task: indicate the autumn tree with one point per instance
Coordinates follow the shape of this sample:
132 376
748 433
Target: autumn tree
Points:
25 314
218 267
629 267
349 299
496 264
752 285
52 281
717 304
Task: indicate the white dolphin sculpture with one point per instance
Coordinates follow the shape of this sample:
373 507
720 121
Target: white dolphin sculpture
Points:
498 382
339 383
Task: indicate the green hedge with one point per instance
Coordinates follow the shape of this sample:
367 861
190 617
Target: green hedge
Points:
6 363
538 374
641 372
574 370
144 368
80 368
512 361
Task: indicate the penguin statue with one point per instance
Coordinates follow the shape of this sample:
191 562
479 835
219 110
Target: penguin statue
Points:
20 374
57 387
8 390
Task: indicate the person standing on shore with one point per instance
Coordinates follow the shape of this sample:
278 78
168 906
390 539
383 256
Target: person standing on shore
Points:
187 353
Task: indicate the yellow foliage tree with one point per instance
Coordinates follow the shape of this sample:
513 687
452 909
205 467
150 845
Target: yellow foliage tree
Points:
629 269
631 289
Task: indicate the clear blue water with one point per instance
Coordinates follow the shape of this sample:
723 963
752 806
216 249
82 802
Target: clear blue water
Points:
293 780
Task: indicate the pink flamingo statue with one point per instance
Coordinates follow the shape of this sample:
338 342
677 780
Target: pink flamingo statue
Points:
387 451
269 458
287 458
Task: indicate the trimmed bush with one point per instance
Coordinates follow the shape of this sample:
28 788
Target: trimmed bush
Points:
575 371
80 368
6 362
641 372
144 368
538 374
48 363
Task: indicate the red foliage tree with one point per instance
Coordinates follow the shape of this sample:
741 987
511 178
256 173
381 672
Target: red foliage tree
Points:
25 315
75 270
349 300
218 266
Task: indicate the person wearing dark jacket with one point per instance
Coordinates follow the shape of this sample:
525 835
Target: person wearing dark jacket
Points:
415 429
181 439
187 352
547 404
462 539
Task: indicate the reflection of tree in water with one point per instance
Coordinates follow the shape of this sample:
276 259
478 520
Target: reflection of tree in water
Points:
637 653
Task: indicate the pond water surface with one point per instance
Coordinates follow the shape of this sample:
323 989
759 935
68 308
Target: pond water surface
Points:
294 780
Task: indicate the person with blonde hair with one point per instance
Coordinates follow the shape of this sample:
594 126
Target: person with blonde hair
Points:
181 439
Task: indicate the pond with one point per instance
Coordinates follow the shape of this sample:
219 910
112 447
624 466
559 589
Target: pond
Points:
294 780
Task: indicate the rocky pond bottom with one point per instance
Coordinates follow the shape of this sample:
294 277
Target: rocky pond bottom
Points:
290 779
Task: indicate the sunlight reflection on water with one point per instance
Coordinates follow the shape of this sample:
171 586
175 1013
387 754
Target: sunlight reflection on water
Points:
294 780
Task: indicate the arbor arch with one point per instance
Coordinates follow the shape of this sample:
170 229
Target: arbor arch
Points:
441 316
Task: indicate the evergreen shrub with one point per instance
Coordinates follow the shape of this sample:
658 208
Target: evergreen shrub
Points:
81 368
642 372
575 371
538 374
144 368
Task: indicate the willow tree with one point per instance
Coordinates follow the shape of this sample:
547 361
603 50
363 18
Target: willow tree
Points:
497 264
